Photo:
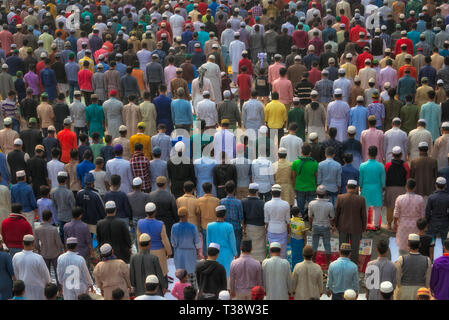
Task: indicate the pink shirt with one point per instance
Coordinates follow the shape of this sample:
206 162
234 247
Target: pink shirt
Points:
178 290
388 74
372 137
169 74
6 39
283 86
273 71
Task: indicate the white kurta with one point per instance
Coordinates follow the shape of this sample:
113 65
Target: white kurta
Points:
213 73
235 53
176 23
441 150
5 202
276 278
32 270
414 138
226 144
73 275
293 144
338 117
392 138
197 94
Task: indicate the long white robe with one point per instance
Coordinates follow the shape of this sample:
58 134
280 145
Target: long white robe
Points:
5 203
276 278
235 52
197 94
73 275
176 23
213 73
30 267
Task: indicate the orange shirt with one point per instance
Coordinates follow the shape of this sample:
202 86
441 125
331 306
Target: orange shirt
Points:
138 74
413 72
68 141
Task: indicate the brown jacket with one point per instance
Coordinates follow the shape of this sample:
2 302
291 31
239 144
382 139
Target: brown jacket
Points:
207 205
179 83
350 213
110 275
295 72
353 94
191 203
425 171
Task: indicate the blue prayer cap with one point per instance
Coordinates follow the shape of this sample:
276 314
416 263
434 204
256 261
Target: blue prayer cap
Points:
89 178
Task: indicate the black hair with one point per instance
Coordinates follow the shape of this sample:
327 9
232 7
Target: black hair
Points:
189 293
330 151
138 146
306 149
16 207
275 250
77 212
332 132
294 211
116 180
118 294
275 96
414 245
411 184
46 215
348 157
246 246
382 246
230 186
212 252
276 194
207 187
44 190
84 296
51 290
55 152
372 151
421 223
189 186
18 287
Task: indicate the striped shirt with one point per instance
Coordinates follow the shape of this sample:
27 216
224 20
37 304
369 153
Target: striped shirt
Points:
9 108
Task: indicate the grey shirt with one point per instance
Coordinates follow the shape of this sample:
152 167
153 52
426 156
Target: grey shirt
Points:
78 113
64 201
155 73
243 167
48 241
322 211
387 272
138 200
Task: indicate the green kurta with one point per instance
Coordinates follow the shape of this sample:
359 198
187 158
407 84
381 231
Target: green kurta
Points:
297 115
392 110
96 148
95 118
409 117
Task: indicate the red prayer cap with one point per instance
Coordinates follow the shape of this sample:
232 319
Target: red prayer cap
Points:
113 92
257 293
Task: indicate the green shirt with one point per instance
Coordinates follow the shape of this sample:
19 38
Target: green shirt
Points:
409 117
96 148
297 115
306 180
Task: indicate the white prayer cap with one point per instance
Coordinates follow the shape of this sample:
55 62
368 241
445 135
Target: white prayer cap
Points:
144 237
106 248
137 181
357 79
352 129
277 56
341 71
296 99
402 16
360 99
179 146
387 85
224 295
311 47
275 245
423 144
7 121
372 80
110 205
383 27
338 91
276 187
18 142
43 55
313 136
350 295
62 174
422 121
386 287
351 183
441 180
445 124
321 189
396 119
263 129
152 279
314 93
413 237
150 207
282 150
440 81
349 56
220 208
331 60
72 240
226 93
214 245
367 61
396 150
298 57
236 34
206 93
342 25
28 237
253 186
20 174
122 128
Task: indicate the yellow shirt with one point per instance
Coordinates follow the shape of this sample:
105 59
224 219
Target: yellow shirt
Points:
350 69
297 227
275 114
144 140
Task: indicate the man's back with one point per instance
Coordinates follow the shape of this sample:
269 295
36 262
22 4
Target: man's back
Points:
307 280
342 275
276 278
115 232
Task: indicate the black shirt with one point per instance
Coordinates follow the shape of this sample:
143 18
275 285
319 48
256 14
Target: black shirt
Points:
223 173
59 69
426 242
28 108
115 232
253 213
37 171
61 111
30 138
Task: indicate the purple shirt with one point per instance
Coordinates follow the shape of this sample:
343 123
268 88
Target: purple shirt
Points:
32 81
439 278
377 109
245 273
79 230
46 204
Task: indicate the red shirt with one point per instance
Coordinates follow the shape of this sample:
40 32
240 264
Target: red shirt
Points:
159 35
314 75
345 20
67 141
360 63
13 229
413 73
167 28
248 64
202 8
39 67
354 33
400 42
317 5
244 83
406 167
300 39
85 80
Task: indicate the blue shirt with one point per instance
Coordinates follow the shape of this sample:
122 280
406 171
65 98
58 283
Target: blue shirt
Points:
181 112
343 275
357 117
348 172
82 168
121 202
377 109
429 72
329 174
71 70
234 211
163 112
414 36
4 172
120 67
22 193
